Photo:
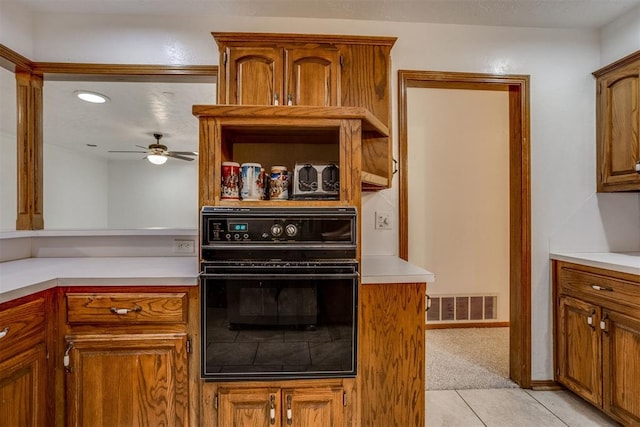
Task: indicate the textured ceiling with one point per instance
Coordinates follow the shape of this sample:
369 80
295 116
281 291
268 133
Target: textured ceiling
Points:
520 13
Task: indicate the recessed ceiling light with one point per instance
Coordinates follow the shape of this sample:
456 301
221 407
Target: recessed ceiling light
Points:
93 97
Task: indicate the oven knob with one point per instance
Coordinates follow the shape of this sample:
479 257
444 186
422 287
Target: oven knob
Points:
276 230
236 236
245 236
228 236
291 230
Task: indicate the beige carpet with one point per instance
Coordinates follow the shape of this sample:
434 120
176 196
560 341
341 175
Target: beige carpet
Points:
468 358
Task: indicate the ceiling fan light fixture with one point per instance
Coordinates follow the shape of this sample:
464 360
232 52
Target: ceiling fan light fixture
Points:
93 97
157 159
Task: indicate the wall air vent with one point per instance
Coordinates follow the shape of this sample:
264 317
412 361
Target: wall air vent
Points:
456 308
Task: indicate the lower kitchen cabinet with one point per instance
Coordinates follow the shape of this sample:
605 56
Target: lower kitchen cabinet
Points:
597 339
23 365
127 380
273 405
125 358
621 367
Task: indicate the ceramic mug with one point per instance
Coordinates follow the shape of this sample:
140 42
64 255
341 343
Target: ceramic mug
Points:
252 186
230 180
279 183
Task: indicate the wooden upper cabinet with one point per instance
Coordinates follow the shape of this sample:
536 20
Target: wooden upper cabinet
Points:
313 76
315 71
618 122
264 73
251 75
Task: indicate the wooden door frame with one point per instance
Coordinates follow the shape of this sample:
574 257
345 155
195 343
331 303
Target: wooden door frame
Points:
517 87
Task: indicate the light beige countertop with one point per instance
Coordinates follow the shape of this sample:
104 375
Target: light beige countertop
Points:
391 269
26 276
623 262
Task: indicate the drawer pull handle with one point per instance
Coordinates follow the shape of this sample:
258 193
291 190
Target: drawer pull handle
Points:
121 311
4 332
602 288
272 409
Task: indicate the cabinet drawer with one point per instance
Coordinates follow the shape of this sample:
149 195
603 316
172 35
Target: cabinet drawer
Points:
597 288
21 326
125 308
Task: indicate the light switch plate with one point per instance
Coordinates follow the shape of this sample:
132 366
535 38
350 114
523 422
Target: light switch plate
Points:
383 220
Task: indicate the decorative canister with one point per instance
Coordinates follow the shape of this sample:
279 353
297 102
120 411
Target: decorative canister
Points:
252 185
279 183
264 185
230 180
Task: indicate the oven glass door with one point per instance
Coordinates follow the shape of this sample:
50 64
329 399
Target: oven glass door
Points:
279 323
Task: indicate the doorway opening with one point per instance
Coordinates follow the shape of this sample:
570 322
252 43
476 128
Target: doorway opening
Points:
517 88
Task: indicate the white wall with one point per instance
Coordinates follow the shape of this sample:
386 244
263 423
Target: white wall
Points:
16 28
608 221
144 195
559 62
620 38
74 183
458 169
8 151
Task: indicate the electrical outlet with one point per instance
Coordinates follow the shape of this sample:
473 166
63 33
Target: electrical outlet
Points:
181 246
383 221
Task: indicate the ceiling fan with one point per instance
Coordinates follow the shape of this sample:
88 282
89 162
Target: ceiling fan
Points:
157 153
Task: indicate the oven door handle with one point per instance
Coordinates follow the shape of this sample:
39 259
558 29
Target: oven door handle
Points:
244 276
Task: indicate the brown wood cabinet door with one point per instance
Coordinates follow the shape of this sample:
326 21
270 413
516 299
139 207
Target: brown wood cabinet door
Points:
313 407
313 76
392 354
249 407
618 123
253 76
621 367
578 348
127 380
23 389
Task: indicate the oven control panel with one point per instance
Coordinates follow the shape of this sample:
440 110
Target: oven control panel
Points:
264 225
253 230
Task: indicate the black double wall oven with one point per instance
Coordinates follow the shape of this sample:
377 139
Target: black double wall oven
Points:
279 292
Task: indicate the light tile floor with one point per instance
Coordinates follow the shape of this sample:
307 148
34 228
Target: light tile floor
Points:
510 408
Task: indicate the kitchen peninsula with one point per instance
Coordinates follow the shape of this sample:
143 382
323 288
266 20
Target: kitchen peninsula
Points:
70 301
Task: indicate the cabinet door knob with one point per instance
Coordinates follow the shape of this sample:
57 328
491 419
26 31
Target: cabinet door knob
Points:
590 319
601 288
603 323
4 332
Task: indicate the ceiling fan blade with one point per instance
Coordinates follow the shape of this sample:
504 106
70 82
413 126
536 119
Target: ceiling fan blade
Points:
184 153
177 156
127 151
140 146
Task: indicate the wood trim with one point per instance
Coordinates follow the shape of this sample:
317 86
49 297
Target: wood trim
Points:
545 385
635 56
227 37
13 61
519 194
466 325
68 71
29 151
30 78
